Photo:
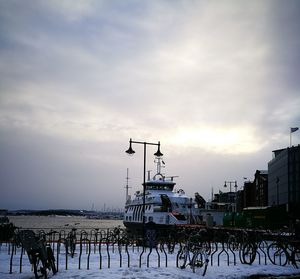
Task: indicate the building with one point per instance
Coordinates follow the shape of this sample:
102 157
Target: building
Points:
249 194
284 180
254 194
240 200
261 187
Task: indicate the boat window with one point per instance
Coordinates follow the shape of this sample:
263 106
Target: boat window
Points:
139 214
135 213
160 186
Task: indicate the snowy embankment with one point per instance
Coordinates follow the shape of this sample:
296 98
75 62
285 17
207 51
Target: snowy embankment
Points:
113 264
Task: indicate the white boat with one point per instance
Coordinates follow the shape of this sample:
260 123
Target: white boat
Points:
164 205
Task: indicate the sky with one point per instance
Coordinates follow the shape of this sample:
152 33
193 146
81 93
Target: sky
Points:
216 82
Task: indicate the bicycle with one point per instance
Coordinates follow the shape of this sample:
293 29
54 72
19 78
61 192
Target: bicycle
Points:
71 242
281 252
195 253
201 258
39 252
295 255
249 247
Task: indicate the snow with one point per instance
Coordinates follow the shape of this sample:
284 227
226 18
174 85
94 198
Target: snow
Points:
151 266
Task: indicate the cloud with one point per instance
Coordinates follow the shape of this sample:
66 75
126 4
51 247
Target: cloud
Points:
208 79
237 140
72 10
208 62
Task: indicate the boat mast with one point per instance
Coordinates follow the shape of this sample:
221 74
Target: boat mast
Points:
158 164
127 187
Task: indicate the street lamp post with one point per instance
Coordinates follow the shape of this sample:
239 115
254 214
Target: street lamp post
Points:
230 182
130 151
229 195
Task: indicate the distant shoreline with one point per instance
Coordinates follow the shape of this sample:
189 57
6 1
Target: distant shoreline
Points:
62 222
62 212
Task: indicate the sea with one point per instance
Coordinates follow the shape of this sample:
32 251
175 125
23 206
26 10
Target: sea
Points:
57 222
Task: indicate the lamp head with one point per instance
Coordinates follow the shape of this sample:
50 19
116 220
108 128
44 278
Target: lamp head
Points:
158 153
130 151
225 185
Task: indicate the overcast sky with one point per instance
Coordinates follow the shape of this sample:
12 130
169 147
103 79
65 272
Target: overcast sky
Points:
216 82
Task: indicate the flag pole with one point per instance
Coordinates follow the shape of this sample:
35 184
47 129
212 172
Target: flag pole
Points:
292 130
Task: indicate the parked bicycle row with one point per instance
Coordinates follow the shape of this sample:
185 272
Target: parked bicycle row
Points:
196 248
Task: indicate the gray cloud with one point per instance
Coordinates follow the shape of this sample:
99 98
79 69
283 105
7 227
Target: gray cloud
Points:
215 82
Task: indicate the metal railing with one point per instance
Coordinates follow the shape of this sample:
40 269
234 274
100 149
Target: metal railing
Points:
116 247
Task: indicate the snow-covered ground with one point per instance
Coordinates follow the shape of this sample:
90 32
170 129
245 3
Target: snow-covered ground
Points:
157 268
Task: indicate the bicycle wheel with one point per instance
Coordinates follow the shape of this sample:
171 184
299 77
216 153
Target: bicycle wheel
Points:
35 266
248 253
277 254
199 263
41 267
51 260
207 247
171 246
232 243
183 258
72 247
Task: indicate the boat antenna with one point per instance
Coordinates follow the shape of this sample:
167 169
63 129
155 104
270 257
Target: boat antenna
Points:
159 162
127 187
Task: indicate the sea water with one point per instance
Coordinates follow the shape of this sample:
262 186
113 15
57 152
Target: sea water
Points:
56 222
